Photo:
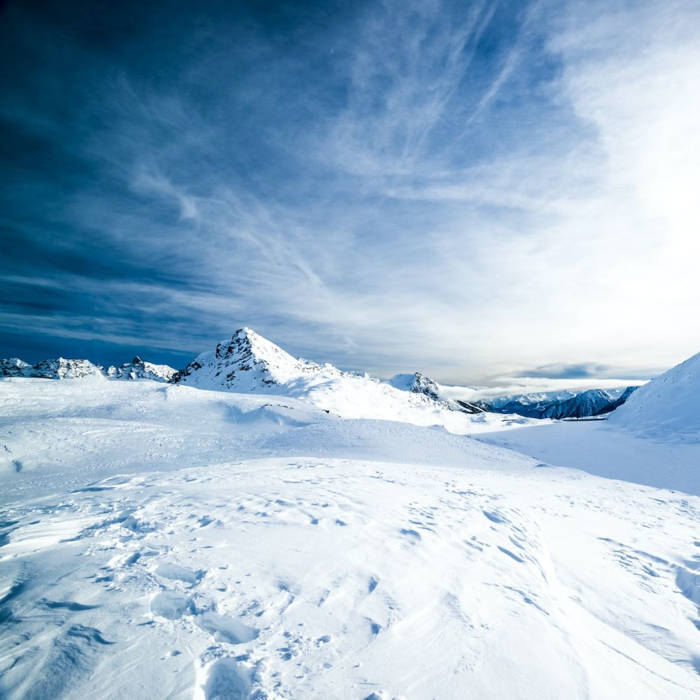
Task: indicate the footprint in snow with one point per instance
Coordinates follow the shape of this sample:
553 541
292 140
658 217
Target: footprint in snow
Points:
226 629
176 572
226 680
170 605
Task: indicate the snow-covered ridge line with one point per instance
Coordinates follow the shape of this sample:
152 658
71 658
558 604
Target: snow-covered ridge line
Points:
62 368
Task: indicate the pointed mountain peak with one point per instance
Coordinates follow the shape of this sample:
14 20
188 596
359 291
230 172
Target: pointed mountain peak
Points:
249 346
246 362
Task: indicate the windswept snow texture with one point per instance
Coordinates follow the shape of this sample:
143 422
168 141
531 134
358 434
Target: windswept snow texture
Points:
162 541
668 407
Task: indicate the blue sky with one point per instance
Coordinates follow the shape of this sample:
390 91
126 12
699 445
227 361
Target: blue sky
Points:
468 189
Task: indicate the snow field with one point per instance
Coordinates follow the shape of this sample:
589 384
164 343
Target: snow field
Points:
163 541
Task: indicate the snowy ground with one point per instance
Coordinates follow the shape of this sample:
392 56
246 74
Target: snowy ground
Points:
163 541
605 449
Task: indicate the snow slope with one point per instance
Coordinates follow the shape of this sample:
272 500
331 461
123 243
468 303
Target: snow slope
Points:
668 407
162 541
605 449
653 438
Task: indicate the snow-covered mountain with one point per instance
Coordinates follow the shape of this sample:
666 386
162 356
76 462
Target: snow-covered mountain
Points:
138 369
249 363
14 367
418 383
567 404
61 368
668 407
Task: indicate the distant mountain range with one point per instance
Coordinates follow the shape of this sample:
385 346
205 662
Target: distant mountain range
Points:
248 362
589 403
62 368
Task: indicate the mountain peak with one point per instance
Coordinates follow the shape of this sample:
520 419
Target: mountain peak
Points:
416 383
246 362
248 345
138 369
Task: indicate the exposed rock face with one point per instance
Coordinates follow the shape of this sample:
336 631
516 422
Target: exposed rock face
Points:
424 385
61 368
247 362
468 407
418 383
138 369
14 367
